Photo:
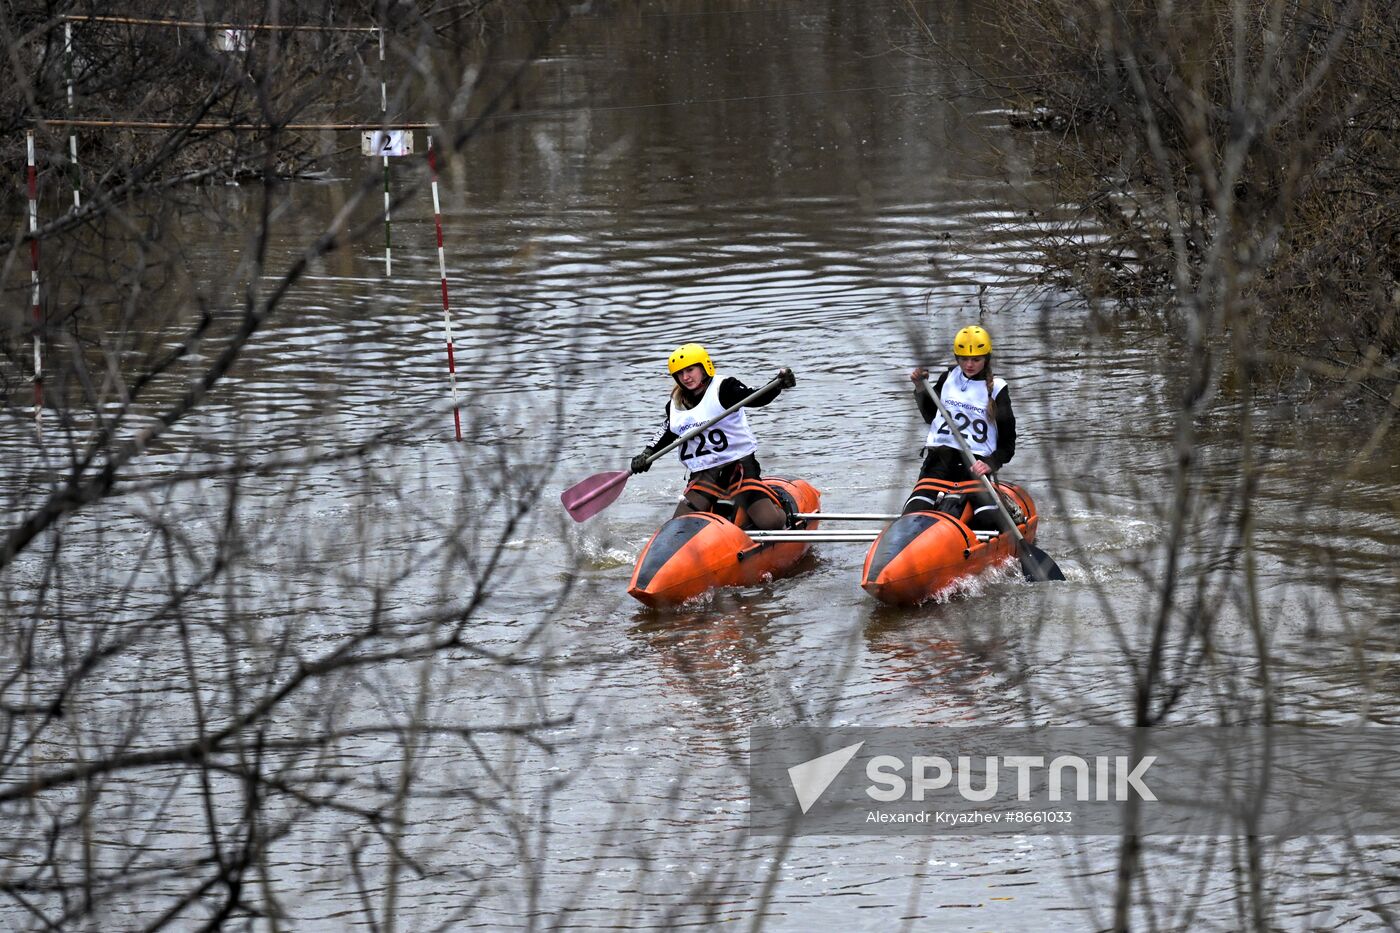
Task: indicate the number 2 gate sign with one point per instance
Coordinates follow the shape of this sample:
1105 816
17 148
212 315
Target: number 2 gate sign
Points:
386 143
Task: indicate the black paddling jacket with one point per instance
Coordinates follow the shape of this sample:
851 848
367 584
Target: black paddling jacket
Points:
731 392
1006 421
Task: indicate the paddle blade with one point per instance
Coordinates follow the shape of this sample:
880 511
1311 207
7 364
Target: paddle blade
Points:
587 498
1038 566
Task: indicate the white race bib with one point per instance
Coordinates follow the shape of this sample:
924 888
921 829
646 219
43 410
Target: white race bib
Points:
966 401
725 442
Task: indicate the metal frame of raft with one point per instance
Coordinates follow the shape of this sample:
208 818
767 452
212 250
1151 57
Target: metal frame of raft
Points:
834 535
829 535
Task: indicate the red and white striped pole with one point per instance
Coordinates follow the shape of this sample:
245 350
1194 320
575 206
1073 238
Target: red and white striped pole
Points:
446 308
34 282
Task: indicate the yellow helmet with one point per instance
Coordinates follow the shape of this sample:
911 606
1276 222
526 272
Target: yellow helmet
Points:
689 355
972 341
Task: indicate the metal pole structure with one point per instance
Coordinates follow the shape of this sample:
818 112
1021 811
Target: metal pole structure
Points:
446 311
202 24
229 127
34 282
72 131
804 534
384 114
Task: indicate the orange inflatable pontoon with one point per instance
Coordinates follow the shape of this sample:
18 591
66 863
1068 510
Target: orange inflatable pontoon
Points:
923 553
695 553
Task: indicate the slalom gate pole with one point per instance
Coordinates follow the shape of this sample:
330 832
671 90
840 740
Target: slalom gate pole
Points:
384 115
446 310
72 131
34 282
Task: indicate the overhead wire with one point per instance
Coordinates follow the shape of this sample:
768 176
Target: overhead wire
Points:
943 85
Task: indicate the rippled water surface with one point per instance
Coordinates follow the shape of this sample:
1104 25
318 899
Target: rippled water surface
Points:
789 186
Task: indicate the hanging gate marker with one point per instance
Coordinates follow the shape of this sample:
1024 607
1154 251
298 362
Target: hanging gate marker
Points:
386 144
446 311
232 40
34 281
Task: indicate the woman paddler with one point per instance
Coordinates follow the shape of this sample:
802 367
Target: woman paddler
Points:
980 403
721 460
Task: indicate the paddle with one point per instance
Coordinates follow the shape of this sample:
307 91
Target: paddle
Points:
1035 563
587 498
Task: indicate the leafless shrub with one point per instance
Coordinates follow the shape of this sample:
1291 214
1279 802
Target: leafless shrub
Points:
198 665
1223 168
1258 136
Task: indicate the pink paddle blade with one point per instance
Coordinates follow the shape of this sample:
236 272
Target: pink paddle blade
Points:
587 498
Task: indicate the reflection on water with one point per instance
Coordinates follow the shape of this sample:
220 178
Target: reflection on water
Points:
780 218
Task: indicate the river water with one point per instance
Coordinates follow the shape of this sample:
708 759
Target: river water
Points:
790 185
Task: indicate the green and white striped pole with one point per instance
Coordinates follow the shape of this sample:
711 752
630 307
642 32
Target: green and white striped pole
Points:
384 117
38 313
72 131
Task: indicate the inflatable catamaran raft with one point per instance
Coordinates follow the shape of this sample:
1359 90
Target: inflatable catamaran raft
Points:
692 554
910 561
921 554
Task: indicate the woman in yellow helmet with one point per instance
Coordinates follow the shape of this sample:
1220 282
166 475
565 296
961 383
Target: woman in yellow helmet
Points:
980 403
721 460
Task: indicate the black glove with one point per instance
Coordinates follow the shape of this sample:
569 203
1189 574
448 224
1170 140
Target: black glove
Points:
787 379
641 463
